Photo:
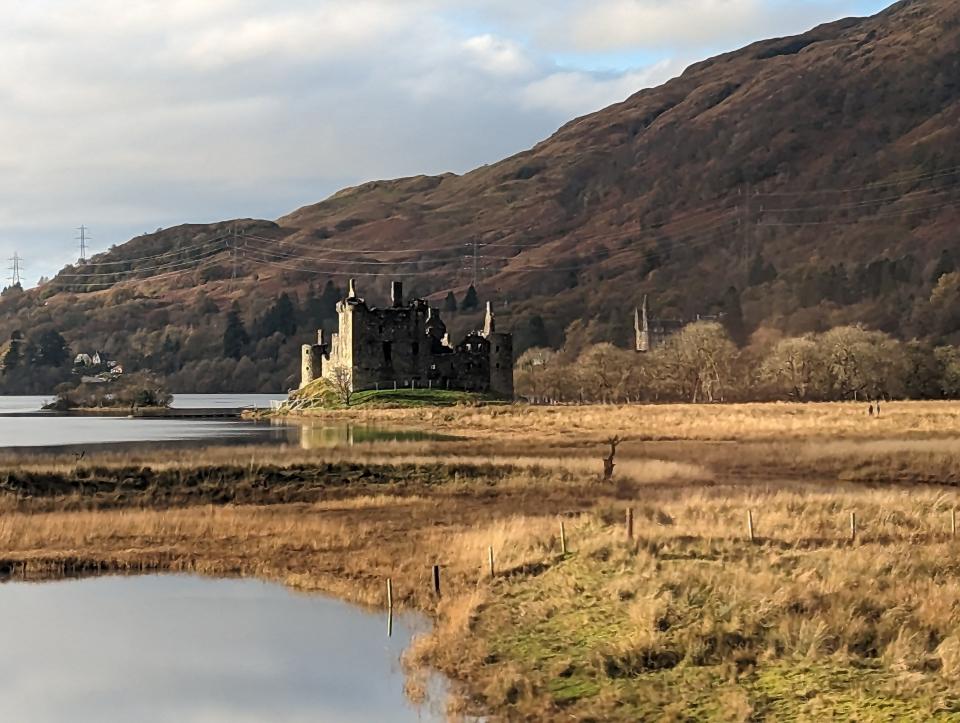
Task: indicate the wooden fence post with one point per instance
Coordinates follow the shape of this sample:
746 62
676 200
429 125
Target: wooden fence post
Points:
490 556
563 540
953 522
436 580
750 525
853 527
389 608
629 523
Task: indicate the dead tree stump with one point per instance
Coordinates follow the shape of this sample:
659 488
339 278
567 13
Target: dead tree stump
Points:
608 463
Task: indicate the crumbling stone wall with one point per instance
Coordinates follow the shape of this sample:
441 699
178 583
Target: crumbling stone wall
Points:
406 345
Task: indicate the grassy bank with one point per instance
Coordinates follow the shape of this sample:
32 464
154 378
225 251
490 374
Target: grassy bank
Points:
320 397
415 398
689 620
722 422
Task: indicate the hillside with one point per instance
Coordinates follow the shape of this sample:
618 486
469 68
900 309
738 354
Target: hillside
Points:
812 180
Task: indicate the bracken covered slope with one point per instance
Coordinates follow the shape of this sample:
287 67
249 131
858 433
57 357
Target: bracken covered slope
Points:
813 180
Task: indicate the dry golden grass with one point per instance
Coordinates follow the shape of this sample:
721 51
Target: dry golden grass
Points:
739 422
688 621
617 628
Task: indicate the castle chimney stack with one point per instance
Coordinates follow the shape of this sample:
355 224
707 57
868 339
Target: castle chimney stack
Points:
396 294
352 289
320 341
489 324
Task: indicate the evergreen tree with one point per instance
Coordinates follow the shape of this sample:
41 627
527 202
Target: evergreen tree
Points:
313 311
470 301
761 271
14 354
235 337
332 294
205 305
280 318
51 349
450 303
945 265
531 333
733 316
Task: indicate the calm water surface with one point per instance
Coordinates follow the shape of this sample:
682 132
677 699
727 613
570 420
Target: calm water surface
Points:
24 427
43 429
175 648
26 405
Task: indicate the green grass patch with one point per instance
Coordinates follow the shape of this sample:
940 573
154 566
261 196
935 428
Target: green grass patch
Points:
420 398
579 633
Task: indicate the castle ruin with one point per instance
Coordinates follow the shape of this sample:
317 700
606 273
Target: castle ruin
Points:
650 333
407 346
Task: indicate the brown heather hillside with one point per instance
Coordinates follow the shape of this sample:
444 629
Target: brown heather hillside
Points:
817 176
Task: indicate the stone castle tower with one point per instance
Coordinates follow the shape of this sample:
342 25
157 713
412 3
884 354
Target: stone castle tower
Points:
641 327
650 334
406 345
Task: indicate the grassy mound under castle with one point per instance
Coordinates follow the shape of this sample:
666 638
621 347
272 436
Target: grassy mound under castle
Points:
322 394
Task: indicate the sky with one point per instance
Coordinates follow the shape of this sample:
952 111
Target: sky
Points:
130 115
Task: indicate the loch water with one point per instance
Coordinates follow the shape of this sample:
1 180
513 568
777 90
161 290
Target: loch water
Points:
196 650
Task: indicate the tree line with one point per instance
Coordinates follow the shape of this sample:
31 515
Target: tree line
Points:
701 364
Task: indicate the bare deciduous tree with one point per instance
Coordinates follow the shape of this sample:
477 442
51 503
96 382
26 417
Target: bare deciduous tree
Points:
792 368
341 379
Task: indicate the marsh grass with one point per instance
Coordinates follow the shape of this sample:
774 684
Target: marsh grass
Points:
687 621
688 617
721 422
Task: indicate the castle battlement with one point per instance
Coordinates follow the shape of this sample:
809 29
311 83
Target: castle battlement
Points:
406 344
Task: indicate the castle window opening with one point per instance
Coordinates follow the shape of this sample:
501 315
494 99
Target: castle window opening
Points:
387 352
416 349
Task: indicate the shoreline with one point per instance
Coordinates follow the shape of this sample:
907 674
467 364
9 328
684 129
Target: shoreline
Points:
115 411
687 616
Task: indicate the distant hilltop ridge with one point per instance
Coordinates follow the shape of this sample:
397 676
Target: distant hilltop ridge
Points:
796 184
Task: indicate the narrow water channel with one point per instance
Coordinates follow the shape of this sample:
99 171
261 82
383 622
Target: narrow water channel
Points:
194 650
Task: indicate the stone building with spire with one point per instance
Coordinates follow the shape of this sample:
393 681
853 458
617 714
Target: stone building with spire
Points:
406 345
650 333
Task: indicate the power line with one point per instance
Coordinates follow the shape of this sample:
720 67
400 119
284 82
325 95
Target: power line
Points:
675 232
16 266
870 186
104 285
870 219
473 261
171 252
83 238
139 273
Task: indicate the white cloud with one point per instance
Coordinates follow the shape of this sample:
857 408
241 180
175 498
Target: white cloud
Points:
618 24
498 56
570 92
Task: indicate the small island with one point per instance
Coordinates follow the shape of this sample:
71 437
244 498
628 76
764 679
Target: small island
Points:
125 393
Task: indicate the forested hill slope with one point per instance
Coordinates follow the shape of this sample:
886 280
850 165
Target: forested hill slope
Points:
809 181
